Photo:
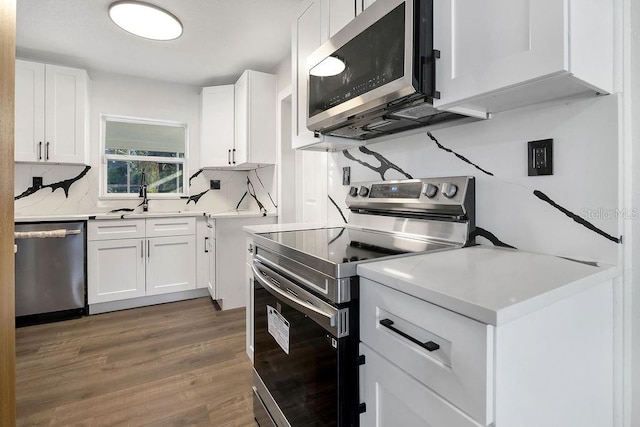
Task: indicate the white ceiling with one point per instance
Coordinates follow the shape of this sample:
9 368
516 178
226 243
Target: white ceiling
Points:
221 38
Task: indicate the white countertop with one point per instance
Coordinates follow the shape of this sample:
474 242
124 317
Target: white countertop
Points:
239 214
491 285
274 228
139 215
52 218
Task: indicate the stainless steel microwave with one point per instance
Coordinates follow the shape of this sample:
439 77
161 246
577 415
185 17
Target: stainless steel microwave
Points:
377 75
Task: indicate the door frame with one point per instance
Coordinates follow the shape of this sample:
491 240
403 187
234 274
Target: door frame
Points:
7 178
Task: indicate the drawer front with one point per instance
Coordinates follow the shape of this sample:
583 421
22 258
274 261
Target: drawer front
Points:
394 398
174 226
460 369
116 229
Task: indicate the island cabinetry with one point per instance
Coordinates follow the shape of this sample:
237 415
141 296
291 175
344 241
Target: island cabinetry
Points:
428 365
140 257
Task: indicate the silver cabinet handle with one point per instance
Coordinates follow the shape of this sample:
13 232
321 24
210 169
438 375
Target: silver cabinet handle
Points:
234 156
148 249
229 157
46 151
141 248
40 150
206 245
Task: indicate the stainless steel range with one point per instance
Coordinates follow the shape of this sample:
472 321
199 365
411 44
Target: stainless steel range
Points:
305 293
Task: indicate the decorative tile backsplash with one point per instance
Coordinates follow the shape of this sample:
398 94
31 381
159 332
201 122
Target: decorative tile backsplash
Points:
75 189
573 213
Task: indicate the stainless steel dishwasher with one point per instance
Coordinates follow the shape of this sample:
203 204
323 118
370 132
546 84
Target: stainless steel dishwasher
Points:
50 271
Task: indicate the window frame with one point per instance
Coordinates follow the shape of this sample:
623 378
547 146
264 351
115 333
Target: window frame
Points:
104 158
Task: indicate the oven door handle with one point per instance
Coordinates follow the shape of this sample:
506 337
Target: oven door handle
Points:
329 320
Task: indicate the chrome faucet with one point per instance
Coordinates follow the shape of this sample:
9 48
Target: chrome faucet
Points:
143 192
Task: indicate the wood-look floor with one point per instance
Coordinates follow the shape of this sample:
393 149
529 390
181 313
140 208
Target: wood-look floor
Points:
177 364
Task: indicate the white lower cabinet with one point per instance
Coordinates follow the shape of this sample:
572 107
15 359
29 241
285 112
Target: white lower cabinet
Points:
394 398
425 365
171 264
115 269
231 257
206 247
135 258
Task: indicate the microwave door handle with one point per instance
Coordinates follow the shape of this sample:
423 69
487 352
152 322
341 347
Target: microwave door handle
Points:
298 304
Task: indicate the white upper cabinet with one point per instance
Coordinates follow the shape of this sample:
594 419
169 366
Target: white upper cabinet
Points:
255 120
310 29
341 12
361 5
51 113
502 54
238 123
216 125
317 21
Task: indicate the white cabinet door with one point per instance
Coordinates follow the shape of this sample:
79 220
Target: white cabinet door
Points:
171 265
258 93
66 103
203 246
310 29
393 398
51 113
361 5
115 270
341 12
489 49
241 120
29 121
216 125
211 276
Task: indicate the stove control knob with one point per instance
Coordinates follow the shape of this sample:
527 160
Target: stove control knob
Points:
353 191
431 191
449 190
364 191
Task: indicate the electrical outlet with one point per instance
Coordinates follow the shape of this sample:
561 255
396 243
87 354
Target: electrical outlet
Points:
540 157
214 184
346 175
37 182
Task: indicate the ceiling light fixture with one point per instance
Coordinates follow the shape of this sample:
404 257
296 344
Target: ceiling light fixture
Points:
145 20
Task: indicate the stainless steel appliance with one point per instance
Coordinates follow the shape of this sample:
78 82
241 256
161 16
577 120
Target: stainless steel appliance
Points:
50 269
385 80
306 290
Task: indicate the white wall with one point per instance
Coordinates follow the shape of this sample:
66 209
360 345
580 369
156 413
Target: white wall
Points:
631 160
143 98
585 179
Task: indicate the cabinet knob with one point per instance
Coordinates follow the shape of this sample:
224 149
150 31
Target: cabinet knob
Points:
250 249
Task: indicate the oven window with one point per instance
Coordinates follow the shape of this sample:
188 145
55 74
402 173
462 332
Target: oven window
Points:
304 382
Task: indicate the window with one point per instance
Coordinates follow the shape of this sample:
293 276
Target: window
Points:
132 146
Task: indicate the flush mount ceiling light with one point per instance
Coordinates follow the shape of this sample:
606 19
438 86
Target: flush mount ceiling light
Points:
145 20
330 66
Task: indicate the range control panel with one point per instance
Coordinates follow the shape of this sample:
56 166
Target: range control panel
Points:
423 193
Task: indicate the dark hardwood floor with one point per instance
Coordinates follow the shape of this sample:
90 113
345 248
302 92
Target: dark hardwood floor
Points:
177 364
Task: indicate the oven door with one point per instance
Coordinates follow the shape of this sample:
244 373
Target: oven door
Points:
304 360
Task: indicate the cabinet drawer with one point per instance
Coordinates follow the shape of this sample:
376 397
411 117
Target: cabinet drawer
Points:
460 370
174 226
393 398
116 229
